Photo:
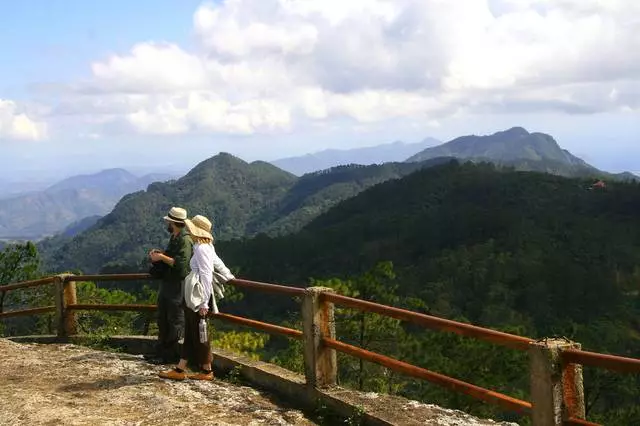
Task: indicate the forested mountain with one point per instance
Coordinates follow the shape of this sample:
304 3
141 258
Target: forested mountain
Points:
242 199
38 214
530 253
79 226
328 158
518 148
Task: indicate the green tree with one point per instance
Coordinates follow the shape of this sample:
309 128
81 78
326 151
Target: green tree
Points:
369 331
21 262
18 262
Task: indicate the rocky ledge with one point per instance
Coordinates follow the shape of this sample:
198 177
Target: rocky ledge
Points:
72 385
50 384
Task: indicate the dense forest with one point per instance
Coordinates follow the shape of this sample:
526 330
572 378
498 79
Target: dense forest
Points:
529 253
243 200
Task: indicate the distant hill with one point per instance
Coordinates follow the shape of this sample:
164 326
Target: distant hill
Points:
11 188
518 148
243 199
386 153
47 212
79 226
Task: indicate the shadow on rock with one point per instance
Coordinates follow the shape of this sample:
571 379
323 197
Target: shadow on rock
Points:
106 384
106 355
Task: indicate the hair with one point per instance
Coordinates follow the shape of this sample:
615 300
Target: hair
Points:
179 225
201 240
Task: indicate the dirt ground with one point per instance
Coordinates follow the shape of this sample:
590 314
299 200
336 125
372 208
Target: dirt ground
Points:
57 384
63 384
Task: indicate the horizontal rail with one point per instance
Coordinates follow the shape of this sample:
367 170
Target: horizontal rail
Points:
25 284
579 422
594 359
474 391
505 339
101 307
109 277
273 288
270 328
32 311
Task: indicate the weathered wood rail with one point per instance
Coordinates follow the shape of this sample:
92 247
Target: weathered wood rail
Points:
557 390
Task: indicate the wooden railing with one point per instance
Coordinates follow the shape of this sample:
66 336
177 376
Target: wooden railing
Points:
557 391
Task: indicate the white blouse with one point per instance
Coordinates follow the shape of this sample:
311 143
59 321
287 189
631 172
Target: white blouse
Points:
204 262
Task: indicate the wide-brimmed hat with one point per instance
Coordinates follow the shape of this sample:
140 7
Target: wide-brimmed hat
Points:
199 226
176 214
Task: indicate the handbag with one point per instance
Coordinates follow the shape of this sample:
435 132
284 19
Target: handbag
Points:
193 291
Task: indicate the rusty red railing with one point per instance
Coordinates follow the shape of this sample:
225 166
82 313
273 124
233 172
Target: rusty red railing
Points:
505 339
477 392
594 359
66 303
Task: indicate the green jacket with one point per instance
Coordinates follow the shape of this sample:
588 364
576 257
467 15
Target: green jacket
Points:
179 248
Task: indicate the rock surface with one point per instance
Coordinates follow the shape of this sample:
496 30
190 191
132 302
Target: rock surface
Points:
73 385
51 384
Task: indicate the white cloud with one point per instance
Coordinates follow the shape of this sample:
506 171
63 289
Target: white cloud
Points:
268 65
17 125
150 68
201 112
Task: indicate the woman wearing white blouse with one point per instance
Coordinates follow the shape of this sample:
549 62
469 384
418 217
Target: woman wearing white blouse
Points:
207 268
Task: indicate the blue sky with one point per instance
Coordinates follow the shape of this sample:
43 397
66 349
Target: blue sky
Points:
46 41
161 85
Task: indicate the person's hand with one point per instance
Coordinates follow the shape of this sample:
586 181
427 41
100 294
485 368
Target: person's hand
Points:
203 312
155 256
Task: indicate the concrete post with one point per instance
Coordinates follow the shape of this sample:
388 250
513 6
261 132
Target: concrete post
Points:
65 295
320 363
557 391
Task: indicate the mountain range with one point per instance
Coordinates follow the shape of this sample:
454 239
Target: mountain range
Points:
247 199
385 153
41 213
519 149
242 199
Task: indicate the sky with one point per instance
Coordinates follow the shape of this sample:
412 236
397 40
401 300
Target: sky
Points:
161 85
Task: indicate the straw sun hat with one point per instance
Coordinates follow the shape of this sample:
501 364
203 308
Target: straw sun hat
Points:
176 214
199 226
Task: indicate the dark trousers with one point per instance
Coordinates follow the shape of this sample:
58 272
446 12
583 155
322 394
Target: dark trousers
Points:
170 329
192 349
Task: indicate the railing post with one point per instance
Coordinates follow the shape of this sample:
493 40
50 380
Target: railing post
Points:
557 391
320 362
65 295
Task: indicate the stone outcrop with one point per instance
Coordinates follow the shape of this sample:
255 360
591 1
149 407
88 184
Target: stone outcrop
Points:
54 383
72 385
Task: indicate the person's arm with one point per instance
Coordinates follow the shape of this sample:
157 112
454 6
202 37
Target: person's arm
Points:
203 264
155 257
179 263
219 266
181 259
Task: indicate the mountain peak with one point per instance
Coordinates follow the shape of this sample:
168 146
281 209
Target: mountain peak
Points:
514 132
515 147
220 160
118 171
328 158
